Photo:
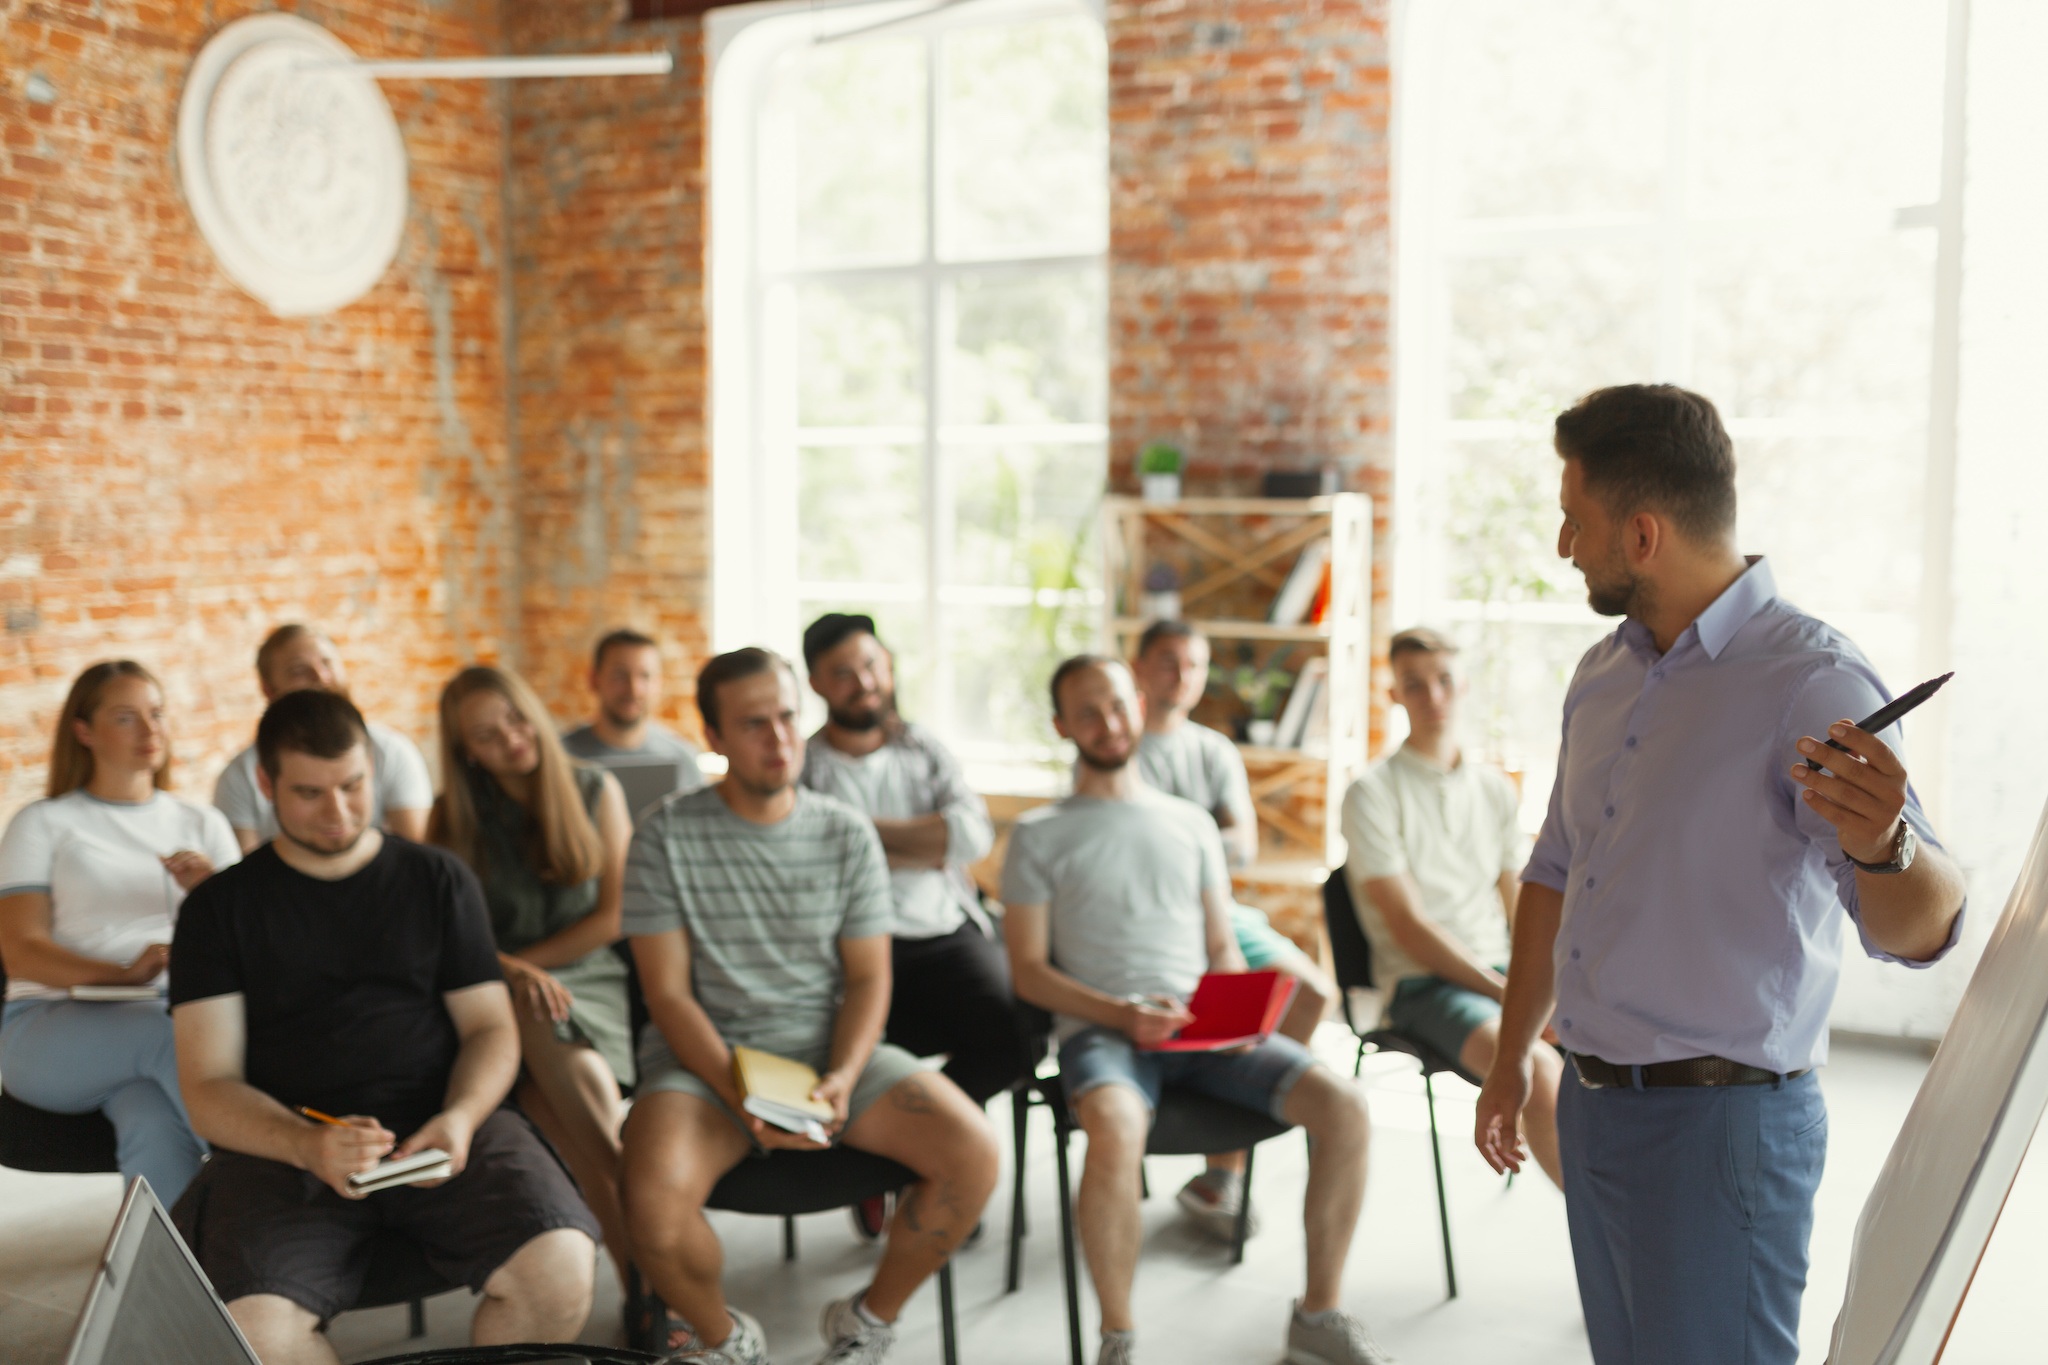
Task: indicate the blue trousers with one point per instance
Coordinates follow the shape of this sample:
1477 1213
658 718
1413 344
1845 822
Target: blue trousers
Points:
1690 1209
74 1056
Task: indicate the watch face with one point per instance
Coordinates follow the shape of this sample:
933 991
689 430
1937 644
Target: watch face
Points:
1909 844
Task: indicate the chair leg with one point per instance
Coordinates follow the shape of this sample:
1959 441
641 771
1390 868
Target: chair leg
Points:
788 1238
947 1339
1067 1254
1020 1115
1443 1207
1244 1210
1358 1062
1144 1181
416 1318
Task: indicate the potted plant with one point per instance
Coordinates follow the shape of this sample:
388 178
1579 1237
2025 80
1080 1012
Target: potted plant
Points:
1159 466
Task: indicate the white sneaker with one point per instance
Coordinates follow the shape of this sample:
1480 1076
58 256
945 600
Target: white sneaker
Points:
1338 1340
1118 1348
851 1339
743 1347
1212 1200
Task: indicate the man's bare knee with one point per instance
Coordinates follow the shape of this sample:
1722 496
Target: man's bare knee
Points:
279 1329
552 1275
1329 1107
1116 1120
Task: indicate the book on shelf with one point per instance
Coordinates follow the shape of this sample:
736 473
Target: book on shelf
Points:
1298 594
112 994
1233 1009
778 1090
428 1163
1301 703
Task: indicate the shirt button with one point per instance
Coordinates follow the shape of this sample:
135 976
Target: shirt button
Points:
1575 954
1589 883
1567 1023
1658 675
1629 743
1610 812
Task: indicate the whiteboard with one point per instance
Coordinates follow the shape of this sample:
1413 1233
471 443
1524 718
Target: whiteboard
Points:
1931 1212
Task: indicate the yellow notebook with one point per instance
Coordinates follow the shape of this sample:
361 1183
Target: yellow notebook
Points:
777 1090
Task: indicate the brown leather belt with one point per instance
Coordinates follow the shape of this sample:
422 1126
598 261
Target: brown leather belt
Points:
1595 1074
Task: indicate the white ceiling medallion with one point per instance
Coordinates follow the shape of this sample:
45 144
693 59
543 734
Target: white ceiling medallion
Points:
296 175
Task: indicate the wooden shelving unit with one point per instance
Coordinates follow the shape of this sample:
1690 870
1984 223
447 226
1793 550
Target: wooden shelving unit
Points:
1232 555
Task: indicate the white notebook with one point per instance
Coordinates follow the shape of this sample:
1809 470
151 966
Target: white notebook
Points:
429 1163
115 993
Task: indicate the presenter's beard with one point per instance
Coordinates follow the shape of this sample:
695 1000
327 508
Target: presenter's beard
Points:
1618 592
867 718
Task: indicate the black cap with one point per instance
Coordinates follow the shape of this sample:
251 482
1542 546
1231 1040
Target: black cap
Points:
826 633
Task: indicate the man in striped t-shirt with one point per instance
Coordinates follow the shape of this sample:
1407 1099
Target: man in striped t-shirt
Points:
759 914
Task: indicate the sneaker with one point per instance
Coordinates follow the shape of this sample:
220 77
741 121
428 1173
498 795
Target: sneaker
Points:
871 1218
743 1347
1212 1199
1339 1339
850 1338
1118 1348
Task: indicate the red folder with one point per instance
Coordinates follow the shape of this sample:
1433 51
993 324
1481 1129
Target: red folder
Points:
1233 1009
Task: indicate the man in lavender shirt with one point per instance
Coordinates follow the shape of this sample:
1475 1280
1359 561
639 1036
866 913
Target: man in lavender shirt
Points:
1677 921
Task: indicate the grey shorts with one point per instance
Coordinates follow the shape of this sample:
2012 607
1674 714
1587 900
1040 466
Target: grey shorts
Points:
659 1070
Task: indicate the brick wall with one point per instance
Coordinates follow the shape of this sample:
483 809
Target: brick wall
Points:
607 203
179 469
1250 272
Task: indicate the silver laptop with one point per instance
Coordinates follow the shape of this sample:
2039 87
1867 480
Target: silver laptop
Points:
644 784
149 1300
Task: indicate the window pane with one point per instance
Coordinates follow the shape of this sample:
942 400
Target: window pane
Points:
1028 348
1552 109
1519 671
1789 328
1025 516
1002 659
842 157
1500 524
859 354
1782 485
1026 138
1819 102
1529 334
860 515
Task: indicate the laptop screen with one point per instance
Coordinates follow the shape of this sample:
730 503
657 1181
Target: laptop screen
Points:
149 1300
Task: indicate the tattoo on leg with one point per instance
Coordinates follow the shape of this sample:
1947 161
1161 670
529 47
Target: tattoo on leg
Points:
912 1098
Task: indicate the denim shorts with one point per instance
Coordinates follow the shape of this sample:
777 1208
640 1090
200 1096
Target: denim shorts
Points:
1259 1080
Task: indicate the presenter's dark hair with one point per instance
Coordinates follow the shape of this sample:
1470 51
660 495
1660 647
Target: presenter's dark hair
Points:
1069 667
322 724
1164 630
731 667
1655 447
831 630
623 638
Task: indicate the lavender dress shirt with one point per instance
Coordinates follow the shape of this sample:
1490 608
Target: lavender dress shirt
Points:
1700 891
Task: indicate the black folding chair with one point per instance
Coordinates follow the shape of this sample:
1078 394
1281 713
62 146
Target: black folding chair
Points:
784 1184
1351 955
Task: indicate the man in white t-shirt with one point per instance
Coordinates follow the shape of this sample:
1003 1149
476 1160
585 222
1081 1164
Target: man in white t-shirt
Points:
1435 845
1117 901
292 658
1184 758
625 677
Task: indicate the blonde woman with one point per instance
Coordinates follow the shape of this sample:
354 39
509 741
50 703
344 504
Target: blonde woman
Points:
91 878
547 838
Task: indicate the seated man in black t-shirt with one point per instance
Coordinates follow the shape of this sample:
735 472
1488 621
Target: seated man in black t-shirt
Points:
342 971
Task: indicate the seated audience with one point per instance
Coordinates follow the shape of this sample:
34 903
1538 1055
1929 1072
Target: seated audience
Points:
91 879
293 657
1434 851
547 838
1184 758
625 673
1117 902
951 981
337 972
760 916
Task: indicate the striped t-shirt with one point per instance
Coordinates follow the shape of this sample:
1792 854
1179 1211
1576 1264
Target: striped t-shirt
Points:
764 907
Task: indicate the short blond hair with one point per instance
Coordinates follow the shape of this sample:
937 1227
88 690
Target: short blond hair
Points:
1418 640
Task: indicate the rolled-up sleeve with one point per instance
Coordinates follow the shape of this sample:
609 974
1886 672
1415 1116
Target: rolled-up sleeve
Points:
1845 689
969 832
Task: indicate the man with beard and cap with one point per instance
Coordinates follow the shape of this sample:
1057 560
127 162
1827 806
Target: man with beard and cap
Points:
952 979
1117 900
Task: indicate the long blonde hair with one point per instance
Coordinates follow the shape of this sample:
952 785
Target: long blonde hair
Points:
570 850
70 760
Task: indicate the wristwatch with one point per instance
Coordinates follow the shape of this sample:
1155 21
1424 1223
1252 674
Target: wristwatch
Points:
1903 849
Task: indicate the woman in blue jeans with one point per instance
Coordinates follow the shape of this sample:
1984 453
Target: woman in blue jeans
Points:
91 879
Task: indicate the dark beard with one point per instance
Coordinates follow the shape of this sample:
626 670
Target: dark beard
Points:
861 722
316 849
618 720
1095 764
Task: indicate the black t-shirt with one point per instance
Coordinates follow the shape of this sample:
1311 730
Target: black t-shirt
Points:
341 981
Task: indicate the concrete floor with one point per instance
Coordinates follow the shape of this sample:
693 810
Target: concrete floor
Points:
1518 1299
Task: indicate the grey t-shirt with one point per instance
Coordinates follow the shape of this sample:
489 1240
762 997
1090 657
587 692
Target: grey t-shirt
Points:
661 745
1199 765
397 771
764 907
1124 883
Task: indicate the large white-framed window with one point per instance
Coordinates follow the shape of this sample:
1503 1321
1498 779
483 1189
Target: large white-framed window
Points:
909 331
1756 200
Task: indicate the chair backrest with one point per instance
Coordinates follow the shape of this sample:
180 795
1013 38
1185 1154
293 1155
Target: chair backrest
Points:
1350 949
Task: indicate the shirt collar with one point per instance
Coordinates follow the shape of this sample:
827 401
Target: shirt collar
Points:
1742 599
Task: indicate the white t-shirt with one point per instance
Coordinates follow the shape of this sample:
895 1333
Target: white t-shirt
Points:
1201 765
398 773
1454 831
98 862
